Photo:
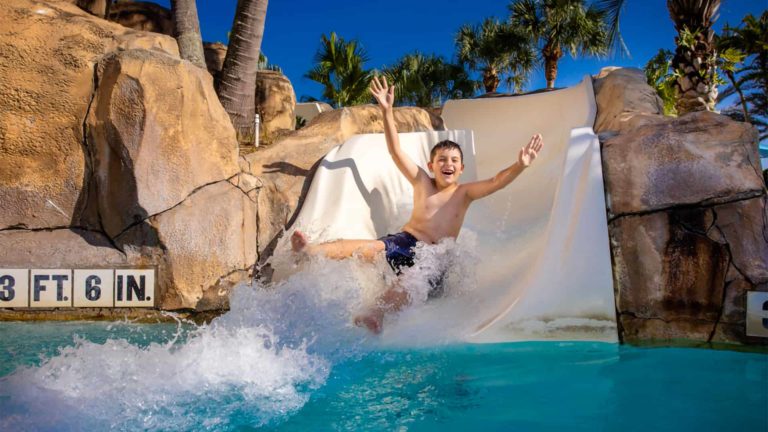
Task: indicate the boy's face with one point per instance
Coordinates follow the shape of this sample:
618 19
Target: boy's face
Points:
446 166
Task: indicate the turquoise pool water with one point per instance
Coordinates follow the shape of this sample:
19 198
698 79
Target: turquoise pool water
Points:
124 376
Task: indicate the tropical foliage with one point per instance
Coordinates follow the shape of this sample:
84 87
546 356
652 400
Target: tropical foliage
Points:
658 76
428 80
560 26
339 68
750 79
497 50
611 10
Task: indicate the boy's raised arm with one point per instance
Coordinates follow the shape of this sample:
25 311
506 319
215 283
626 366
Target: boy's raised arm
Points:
483 188
385 96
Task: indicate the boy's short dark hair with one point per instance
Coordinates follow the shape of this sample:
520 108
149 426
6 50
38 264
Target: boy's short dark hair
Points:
445 144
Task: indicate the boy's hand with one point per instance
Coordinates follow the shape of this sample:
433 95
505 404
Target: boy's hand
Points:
383 93
530 151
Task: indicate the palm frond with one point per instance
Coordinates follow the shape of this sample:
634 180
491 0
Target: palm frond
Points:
612 11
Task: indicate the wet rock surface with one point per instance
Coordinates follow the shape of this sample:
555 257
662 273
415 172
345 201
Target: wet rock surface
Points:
688 222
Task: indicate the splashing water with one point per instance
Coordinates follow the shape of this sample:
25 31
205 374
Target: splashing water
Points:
258 363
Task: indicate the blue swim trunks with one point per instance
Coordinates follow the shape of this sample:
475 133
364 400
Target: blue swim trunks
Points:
399 250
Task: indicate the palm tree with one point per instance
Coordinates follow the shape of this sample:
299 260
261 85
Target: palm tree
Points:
427 81
187 31
751 80
695 57
237 84
558 26
496 50
339 68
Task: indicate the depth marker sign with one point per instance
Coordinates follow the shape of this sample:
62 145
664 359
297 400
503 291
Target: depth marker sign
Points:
37 288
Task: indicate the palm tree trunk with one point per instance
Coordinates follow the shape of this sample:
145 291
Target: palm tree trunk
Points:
490 80
237 86
187 31
695 85
551 56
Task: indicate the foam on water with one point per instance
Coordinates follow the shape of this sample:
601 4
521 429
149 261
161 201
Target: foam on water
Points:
262 360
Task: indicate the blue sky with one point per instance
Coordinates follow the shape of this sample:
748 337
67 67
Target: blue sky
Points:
389 29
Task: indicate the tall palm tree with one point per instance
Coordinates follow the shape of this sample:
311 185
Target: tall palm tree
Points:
695 57
237 84
751 80
497 50
428 80
339 68
560 26
186 30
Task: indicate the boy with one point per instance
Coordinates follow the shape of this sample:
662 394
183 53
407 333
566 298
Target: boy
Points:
439 206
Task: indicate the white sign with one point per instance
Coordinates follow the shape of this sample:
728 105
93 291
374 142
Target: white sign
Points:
95 288
50 288
757 313
134 288
24 288
14 288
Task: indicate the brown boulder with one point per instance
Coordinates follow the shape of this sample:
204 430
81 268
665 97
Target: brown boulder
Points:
94 7
699 158
158 133
744 226
60 248
285 168
215 53
201 247
620 94
275 102
47 55
687 216
143 16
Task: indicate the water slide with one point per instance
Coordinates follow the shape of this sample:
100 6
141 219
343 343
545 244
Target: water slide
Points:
543 267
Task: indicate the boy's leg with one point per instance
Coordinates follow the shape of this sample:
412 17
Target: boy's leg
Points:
368 250
393 299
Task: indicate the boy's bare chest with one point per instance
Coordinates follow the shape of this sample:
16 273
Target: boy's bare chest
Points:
431 202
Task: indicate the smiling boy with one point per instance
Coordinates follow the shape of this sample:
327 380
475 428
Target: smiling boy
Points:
439 206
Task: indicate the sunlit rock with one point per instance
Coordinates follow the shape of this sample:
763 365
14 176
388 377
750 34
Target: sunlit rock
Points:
158 132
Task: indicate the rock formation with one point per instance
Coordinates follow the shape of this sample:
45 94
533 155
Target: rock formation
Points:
117 153
144 16
275 102
688 220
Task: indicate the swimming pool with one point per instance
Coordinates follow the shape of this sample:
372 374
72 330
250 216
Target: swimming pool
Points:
126 376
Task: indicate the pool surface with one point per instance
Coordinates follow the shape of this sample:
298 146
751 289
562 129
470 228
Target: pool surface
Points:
124 376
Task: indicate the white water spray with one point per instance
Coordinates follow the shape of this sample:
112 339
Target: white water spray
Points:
255 365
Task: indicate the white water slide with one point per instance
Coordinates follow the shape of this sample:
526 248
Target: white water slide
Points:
544 270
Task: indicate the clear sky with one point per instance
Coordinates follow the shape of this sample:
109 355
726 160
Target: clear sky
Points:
389 29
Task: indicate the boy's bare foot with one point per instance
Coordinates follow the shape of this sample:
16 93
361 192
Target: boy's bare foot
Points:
371 319
298 241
